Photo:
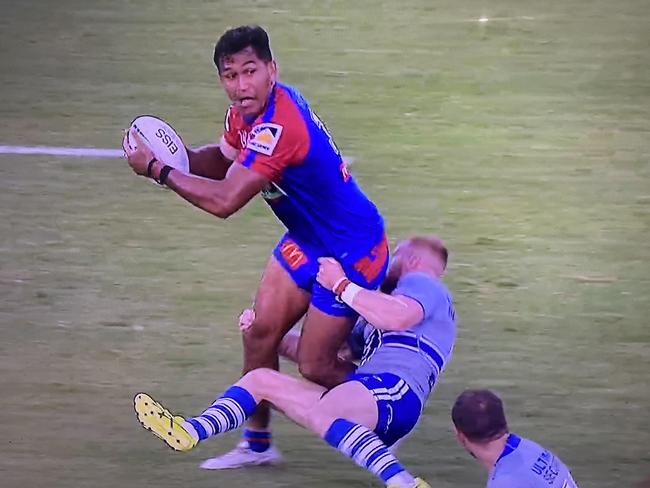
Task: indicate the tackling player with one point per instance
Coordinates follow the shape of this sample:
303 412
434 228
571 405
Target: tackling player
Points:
274 144
413 333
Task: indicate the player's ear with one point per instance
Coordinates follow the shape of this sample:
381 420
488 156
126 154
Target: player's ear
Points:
414 260
462 440
273 70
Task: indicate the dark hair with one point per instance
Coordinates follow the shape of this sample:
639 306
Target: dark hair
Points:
234 40
479 415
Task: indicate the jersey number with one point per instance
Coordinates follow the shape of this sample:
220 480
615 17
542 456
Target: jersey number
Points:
319 123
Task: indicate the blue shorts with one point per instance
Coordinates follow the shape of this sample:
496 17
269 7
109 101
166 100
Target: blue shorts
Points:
398 407
300 260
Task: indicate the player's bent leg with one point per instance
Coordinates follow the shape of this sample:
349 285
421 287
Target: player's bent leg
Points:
362 417
345 417
318 351
279 304
367 450
350 400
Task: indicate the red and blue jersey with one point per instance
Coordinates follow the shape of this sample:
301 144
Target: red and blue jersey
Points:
310 189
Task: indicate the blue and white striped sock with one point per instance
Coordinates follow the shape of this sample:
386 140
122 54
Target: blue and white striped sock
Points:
364 448
228 412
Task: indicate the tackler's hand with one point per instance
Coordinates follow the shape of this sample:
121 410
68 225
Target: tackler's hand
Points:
330 272
136 152
246 319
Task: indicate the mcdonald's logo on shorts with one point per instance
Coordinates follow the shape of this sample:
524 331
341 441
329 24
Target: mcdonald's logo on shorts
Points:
292 254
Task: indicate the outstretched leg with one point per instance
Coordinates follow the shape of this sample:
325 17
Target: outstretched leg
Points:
345 418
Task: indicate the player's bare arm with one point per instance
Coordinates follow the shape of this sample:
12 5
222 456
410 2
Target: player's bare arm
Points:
220 198
383 311
209 161
387 312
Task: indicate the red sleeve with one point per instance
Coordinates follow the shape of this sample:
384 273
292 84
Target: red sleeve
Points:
273 146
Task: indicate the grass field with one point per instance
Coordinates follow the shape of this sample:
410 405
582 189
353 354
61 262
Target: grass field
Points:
523 140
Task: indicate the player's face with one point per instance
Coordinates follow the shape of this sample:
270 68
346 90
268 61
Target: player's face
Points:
247 81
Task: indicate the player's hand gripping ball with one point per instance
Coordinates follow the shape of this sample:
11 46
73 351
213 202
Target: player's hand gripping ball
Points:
150 137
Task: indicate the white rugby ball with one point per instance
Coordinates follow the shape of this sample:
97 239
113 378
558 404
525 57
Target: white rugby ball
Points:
166 145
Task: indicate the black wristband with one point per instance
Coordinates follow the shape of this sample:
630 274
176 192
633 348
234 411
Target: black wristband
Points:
150 167
164 173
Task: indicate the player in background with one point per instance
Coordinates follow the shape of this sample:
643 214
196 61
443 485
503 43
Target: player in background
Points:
410 343
512 461
274 144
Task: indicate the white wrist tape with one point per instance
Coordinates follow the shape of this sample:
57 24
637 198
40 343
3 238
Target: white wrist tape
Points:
349 293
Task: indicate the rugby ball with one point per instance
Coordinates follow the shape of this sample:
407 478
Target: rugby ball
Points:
166 145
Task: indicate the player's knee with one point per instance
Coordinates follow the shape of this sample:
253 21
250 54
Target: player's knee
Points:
259 374
256 379
263 333
314 371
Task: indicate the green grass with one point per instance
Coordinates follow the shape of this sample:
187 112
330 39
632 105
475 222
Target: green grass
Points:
524 141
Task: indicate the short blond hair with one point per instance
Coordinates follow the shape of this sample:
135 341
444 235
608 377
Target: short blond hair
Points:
432 243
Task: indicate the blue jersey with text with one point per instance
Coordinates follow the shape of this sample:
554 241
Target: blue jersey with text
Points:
525 464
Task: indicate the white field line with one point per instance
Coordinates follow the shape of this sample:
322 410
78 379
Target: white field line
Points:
89 152
63 151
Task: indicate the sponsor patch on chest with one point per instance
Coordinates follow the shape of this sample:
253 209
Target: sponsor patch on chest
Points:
264 137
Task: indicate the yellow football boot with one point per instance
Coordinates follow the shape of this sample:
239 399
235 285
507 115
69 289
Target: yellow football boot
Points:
162 423
419 483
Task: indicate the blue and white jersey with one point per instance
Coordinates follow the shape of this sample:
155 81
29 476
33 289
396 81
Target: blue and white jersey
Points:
525 464
417 355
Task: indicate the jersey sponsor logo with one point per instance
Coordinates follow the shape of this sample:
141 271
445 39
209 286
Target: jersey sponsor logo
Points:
371 266
264 137
292 254
547 467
